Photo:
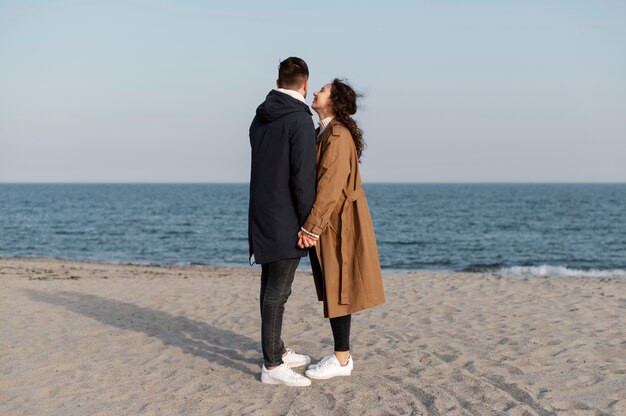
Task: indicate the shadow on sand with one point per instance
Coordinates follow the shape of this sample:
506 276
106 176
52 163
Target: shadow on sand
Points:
216 345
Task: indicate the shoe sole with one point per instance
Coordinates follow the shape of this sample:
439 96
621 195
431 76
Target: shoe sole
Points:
268 380
329 376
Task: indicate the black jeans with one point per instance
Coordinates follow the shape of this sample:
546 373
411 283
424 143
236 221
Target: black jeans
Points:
276 280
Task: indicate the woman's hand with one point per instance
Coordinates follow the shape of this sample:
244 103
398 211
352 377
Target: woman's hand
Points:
305 240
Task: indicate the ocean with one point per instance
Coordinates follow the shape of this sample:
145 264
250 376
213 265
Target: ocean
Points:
509 229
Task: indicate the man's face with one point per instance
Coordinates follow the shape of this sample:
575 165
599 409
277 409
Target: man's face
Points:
321 100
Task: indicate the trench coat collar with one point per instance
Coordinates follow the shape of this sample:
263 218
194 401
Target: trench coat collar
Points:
327 131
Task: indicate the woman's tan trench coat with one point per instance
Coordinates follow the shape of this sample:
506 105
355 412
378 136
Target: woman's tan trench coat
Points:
345 261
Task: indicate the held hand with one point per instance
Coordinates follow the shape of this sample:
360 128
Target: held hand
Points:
300 240
305 240
309 241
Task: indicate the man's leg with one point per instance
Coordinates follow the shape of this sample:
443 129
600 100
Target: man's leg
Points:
263 285
276 288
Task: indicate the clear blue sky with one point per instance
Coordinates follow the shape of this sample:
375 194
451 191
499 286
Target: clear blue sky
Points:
456 91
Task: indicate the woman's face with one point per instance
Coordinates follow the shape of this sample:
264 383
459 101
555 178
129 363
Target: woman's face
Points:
321 100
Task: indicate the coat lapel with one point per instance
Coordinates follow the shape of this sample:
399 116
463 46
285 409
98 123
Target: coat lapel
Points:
327 131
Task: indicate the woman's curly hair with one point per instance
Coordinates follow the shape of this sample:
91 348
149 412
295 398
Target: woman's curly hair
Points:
343 99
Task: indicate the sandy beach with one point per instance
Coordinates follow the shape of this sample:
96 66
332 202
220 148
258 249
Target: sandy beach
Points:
98 339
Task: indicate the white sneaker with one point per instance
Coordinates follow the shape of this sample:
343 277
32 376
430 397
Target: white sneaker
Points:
330 368
283 375
326 357
293 359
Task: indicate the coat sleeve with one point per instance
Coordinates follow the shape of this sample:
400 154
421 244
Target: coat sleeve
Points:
302 166
332 174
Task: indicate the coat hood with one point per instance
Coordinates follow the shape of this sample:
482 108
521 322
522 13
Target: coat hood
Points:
277 105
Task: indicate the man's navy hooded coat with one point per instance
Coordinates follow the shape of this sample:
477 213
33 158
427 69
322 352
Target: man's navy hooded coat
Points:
282 178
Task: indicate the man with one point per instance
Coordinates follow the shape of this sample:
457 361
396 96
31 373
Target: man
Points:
282 191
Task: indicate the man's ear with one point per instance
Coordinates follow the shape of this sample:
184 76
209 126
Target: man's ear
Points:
306 87
277 84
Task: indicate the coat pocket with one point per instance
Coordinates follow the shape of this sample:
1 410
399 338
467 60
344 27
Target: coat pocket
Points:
334 222
347 246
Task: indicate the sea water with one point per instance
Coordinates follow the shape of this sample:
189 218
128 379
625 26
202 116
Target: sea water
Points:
523 229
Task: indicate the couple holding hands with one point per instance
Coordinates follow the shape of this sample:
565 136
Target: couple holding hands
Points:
306 197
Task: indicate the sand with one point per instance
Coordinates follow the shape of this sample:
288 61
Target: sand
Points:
95 339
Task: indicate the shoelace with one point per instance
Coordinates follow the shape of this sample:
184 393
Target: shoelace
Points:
324 359
292 374
326 362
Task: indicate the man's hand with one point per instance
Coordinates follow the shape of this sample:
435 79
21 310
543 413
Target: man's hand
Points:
305 240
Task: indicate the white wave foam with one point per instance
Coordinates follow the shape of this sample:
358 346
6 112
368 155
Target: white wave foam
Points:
547 270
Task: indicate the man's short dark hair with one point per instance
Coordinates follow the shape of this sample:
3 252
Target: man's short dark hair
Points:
292 73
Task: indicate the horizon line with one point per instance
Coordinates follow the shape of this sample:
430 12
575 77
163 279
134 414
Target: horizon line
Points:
365 183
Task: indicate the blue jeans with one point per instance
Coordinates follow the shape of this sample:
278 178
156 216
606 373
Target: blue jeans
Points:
276 280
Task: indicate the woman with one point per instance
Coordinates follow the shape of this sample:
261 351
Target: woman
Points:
345 262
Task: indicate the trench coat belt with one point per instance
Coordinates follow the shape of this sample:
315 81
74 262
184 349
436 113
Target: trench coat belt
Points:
347 197
347 262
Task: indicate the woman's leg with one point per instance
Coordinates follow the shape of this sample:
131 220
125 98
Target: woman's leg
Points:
341 334
342 365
